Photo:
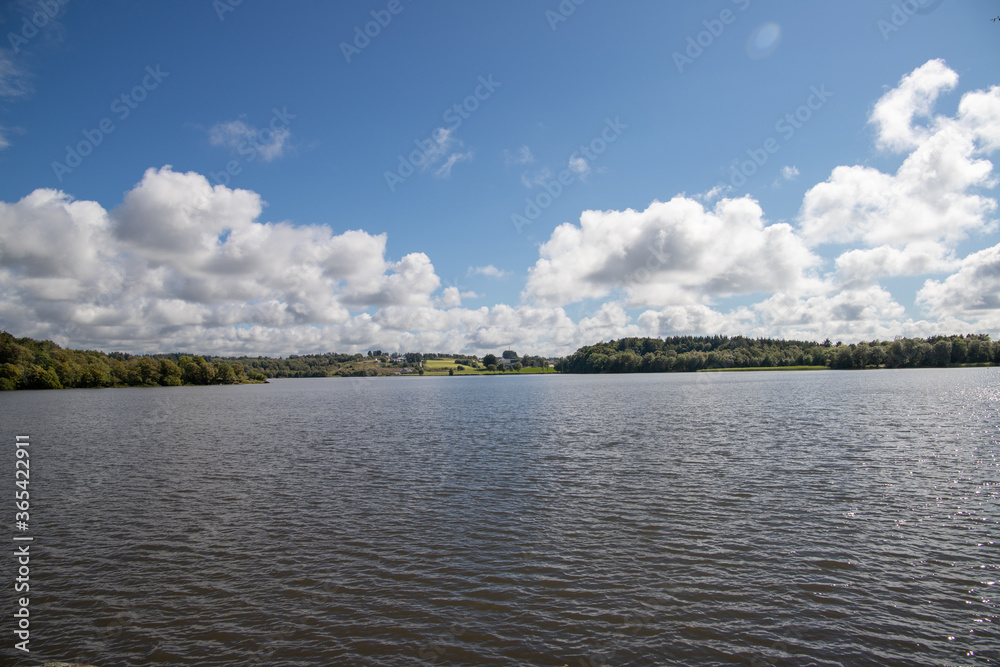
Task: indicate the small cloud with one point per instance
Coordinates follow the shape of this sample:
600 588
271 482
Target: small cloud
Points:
713 194
441 145
540 177
437 147
238 136
444 171
13 80
521 156
489 271
788 173
579 166
6 133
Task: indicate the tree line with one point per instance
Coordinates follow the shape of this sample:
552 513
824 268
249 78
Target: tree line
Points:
694 353
26 363
31 364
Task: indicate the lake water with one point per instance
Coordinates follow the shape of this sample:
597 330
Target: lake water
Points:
814 518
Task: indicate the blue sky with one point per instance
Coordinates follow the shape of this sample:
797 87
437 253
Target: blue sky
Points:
269 179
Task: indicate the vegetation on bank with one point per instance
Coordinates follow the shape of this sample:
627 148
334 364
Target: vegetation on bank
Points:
764 368
377 362
30 364
26 363
696 353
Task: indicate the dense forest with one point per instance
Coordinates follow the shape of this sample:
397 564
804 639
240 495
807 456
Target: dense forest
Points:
690 353
30 364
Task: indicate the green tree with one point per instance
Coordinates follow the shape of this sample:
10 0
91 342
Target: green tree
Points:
979 351
224 374
13 353
941 355
877 355
170 373
844 359
11 373
924 353
144 371
195 370
597 363
41 378
959 350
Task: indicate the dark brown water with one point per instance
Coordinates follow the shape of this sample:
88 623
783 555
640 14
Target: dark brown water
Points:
830 518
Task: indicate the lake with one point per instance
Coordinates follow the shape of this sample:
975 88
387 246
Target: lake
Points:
774 518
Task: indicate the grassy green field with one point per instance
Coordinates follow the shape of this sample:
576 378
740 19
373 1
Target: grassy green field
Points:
765 368
442 366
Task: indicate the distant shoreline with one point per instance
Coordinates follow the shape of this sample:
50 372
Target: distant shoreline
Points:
27 364
763 368
827 368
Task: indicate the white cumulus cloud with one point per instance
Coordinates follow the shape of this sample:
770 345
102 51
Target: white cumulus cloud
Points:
973 292
932 196
675 252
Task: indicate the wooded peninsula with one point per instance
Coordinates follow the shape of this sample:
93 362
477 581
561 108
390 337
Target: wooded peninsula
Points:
26 363
696 353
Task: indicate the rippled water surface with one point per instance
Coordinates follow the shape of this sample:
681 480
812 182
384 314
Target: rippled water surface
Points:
827 518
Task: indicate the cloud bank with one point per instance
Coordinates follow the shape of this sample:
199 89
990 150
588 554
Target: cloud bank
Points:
182 265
